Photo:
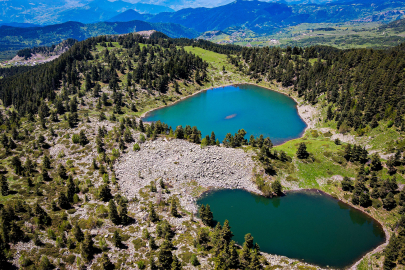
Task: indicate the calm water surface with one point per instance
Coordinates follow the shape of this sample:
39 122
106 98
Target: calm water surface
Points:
303 225
255 109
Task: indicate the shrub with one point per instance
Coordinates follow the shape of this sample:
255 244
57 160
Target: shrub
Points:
51 234
204 142
142 138
115 153
75 199
141 264
136 147
24 261
76 138
194 260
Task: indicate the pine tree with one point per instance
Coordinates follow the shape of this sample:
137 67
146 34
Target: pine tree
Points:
249 241
16 162
173 208
78 233
4 185
233 256
347 184
165 256
176 264
61 171
152 263
152 243
63 201
277 187
87 248
124 215
391 254
71 189
212 138
106 263
245 256
375 162
389 202
113 213
45 176
302 151
255 263
226 232
117 239
153 217
46 162
82 138
44 263
206 215
104 193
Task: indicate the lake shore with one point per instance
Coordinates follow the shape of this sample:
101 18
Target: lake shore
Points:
306 112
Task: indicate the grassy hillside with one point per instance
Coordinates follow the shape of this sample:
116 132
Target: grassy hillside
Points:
343 36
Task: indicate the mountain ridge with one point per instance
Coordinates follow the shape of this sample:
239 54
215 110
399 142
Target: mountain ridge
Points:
18 38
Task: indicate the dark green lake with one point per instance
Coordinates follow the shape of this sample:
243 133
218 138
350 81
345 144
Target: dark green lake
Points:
305 225
255 109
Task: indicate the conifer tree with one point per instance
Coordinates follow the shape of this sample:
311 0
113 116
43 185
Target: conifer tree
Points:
106 263
176 264
71 189
226 232
277 187
255 263
105 193
152 243
245 257
347 184
173 208
302 151
117 239
206 215
4 185
389 202
113 213
82 138
153 217
124 218
61 171
165 256
63 201
87 247
78 233
16 162
375 162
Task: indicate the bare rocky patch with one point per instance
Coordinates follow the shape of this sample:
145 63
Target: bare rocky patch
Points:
187 167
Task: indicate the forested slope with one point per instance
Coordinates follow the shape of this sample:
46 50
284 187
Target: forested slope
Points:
65 124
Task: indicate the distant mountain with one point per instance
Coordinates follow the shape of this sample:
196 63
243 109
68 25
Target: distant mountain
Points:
260 17
267 17
18 38
59 11
151 9
249 14
22 25
127 16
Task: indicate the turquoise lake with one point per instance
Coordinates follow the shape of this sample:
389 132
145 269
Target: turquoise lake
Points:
305 225
227 109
